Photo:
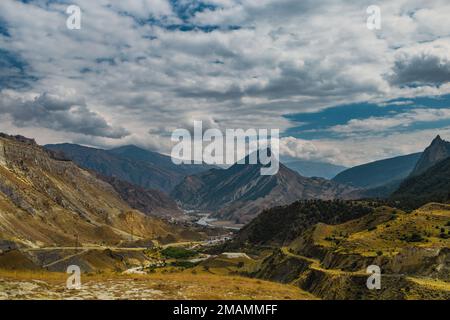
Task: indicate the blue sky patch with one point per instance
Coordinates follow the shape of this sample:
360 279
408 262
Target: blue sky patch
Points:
316 125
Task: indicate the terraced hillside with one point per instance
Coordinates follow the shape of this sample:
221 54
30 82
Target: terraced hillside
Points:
330 259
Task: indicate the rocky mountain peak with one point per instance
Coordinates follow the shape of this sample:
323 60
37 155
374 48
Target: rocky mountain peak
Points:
437 140
438 150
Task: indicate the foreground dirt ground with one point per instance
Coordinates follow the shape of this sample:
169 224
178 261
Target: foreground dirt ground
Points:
27 285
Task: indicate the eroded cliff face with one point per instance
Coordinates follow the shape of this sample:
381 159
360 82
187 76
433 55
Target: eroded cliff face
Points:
2 154
47 200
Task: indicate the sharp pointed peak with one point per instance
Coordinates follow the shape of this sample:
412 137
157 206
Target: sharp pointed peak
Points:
438 140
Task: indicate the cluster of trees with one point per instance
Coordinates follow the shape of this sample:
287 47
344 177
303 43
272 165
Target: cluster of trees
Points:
178 253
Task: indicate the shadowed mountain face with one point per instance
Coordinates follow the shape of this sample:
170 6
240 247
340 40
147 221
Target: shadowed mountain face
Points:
315 169
47 200
433 185
379 173
149 170
240 193
148 201
436 152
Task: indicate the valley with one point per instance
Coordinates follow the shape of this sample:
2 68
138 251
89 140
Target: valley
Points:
219 234
224 149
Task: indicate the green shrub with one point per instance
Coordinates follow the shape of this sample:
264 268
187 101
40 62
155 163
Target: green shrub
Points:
178 253
415 237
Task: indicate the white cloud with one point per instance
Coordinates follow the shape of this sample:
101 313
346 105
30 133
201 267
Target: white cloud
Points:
382 124
287 56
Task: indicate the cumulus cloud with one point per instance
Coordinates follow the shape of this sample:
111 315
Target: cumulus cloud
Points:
308 150
145 67
60 113
422 65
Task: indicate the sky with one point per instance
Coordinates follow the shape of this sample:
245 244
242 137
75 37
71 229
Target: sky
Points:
139 69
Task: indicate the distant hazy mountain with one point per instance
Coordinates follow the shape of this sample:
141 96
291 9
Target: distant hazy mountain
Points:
433 185
379 173
436 152
158 160
241 192
144 168
314 169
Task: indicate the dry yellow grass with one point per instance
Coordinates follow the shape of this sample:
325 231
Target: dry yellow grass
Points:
433 284
41 285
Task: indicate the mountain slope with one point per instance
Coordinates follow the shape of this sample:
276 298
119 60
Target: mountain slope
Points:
48 201
326 247
314 169
433 185
436 152
148 201
280 225
144 168
158 160
241 192
379 173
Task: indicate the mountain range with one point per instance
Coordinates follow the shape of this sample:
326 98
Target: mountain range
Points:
379 173
144 168
299 231
143 178
240 192
380 179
